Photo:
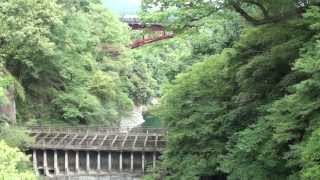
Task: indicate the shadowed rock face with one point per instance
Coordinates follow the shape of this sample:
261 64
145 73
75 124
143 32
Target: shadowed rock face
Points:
8 109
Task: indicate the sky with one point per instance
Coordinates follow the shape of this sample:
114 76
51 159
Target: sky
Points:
122 7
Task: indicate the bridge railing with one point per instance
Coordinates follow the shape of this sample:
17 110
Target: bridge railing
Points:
95 130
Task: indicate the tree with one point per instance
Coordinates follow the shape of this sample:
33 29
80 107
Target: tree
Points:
168 58
188 13
14 164
245 112
71 59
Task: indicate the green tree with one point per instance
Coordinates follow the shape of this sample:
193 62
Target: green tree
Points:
14 164
245 113
168 58
71 60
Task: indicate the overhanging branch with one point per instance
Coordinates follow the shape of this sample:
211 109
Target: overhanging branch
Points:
259 5
245 15
266 17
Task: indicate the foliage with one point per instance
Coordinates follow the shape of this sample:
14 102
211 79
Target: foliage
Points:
291 122
14 164
162 60
239 82
4 84
14 136
71 60
310 155
167 59
250 111
189 14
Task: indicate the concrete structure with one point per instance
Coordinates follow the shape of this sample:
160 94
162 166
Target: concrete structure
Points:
96 151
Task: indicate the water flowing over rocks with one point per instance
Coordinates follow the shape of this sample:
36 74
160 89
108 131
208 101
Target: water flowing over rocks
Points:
134 119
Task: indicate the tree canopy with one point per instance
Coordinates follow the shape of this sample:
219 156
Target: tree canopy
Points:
14 164
249 111
71 60
239 83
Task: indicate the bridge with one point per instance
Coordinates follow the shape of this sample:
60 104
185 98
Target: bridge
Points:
95 151
136 24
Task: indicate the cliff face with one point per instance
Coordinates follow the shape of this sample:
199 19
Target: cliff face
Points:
8 108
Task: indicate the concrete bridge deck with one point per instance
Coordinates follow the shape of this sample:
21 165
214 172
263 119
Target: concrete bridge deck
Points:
95 151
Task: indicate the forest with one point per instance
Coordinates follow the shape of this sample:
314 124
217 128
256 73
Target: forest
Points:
238 84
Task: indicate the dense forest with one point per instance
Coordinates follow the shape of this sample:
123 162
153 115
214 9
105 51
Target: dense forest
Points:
248 109
238 84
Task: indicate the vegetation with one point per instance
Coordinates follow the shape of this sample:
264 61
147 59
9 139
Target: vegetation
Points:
67 62
251 110
14 164
71 60
238 84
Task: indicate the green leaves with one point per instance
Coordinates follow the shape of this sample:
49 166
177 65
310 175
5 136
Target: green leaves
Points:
79 107
14 164
250 110
71 60
311 157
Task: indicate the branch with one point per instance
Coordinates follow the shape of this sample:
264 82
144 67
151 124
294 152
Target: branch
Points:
244 14
195 19
267 19
262 8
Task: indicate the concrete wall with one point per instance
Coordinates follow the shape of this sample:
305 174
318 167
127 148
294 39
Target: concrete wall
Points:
113 177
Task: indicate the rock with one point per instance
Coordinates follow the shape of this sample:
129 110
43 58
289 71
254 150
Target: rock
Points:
8 109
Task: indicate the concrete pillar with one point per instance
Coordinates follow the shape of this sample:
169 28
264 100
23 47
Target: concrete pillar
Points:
35 163
66 162
109 161
154 160
131 161
88 161
45 163
120 161
99 161
142 161
55 162
77 162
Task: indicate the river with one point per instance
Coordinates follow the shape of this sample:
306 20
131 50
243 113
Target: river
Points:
140 117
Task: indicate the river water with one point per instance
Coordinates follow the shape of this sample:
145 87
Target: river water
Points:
139 117
151 121
135 118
